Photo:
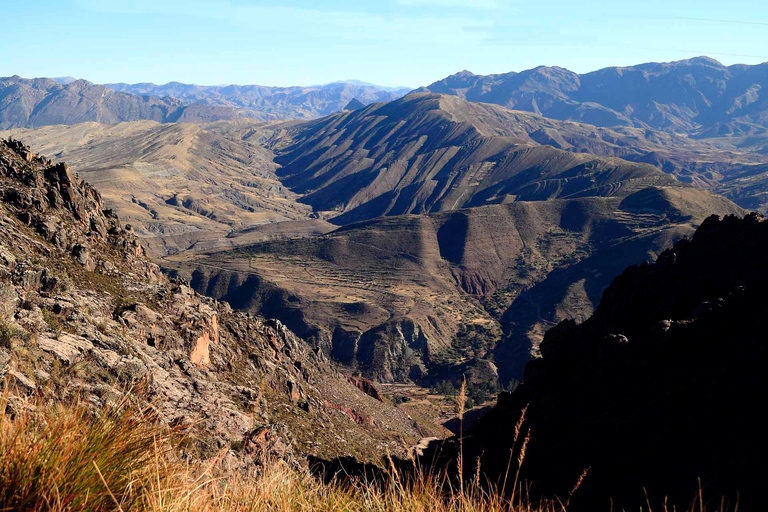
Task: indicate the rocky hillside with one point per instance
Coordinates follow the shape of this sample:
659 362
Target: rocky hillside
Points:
657 391
429 296
83 311
42 101
430 153
698 96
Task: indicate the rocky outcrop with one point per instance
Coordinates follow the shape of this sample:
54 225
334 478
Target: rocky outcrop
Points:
658 391
366 386
85 313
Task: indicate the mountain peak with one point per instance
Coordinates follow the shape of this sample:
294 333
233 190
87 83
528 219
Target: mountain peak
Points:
463 74
703 59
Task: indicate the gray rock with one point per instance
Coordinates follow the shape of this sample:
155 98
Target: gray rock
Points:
83 255
30 279
9 300
5 358
6 258
68 347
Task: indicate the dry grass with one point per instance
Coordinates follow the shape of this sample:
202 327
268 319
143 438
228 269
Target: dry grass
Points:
63 457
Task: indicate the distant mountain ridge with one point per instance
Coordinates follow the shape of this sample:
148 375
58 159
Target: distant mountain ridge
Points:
263 102
29 103
698 96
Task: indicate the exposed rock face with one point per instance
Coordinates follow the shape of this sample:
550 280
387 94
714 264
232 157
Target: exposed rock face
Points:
84 311
366 386
660 387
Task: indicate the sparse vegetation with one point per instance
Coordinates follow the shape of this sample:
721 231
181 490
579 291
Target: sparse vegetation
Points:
476 393
9 333
54 321
401 399
444 387
62 457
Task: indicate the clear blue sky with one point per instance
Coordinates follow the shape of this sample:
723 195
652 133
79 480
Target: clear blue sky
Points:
390 42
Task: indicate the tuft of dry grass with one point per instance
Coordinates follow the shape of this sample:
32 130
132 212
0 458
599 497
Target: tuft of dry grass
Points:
64 457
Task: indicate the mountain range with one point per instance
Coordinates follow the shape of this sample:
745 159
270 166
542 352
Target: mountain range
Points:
698 96
45 101
85 313
651 399
467 213
589 251
264 103
452 216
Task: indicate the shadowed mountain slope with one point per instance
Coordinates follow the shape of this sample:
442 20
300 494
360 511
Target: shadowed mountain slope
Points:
656 391
429 153
735 166
698 96
540 233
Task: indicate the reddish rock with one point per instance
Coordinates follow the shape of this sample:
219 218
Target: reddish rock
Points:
366 386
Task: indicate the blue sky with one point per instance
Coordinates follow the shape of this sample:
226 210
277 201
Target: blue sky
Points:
389 42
